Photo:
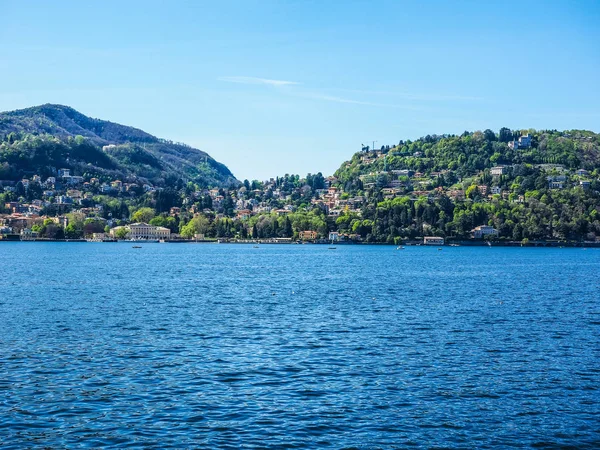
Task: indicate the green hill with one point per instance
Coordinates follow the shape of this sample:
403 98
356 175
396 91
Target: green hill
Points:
526 184
470 153
43 138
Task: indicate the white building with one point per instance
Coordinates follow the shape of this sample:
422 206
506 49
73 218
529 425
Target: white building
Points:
143 231
64 200
433 240
484 230
498 170
523 142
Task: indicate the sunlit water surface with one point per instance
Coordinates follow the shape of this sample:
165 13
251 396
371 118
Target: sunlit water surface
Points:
298 346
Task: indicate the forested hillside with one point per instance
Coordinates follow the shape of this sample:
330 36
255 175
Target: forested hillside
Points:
527 184
514 185
45 138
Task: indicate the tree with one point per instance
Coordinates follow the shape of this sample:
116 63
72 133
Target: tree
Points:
288 231
72 231
144 215
198 225
53 231
505 135
489 135
472 191
122 233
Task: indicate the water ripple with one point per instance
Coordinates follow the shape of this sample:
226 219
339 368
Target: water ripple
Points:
219 346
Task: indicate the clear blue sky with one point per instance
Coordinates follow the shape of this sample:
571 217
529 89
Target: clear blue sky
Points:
274 87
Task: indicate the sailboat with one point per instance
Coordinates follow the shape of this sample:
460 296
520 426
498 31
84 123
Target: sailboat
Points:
331 248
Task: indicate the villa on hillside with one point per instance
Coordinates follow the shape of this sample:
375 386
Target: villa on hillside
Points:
582 173
484 230
523 142
307 235
498 170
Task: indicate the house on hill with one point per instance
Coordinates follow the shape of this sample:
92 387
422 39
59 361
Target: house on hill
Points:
483 230
522 143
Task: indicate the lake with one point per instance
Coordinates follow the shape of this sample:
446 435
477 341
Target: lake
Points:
298 346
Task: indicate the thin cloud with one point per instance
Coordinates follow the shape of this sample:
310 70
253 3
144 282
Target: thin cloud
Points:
254 80
297 90
331 98
418 97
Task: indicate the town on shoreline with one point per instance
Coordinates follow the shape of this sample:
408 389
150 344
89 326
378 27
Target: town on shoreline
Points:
405 194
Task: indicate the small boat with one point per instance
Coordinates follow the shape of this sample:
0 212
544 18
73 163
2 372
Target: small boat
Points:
137 246
256 246
399 248
331 248
439 248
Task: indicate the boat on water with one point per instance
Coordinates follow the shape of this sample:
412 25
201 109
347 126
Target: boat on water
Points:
331 247
399 248
137 246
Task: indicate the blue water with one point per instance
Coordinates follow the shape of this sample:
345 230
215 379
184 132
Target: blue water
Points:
298 346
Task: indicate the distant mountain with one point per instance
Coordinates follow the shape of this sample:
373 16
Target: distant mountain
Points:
46 137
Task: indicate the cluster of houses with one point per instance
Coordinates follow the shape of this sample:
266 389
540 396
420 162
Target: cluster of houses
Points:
66 192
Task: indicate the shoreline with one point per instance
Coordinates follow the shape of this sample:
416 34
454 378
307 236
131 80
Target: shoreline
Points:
451 243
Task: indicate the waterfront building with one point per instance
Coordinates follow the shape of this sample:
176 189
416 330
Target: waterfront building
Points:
433 240
143 231
484 230
307 235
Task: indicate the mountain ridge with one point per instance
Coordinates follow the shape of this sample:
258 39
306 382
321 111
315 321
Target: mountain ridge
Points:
137 147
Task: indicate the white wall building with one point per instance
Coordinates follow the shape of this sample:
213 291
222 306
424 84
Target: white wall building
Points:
484 230
143 231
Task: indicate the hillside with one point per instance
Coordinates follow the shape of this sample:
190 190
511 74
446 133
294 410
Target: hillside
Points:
470 153
44 138
510 187
521 184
